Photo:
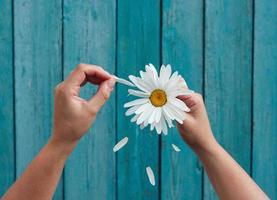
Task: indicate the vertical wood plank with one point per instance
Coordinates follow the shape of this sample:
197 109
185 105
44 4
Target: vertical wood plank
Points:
38 68
89 37
138 44
7 159
265 94
228 69
182 48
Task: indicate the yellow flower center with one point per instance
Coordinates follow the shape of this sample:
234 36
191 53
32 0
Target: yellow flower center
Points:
158 98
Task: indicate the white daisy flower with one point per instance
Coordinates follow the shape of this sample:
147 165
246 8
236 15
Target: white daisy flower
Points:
157 104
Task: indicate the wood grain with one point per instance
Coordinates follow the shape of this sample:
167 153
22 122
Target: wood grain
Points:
228 68
138 44
89 37
182 47
7 154
265 93
209 42
38 69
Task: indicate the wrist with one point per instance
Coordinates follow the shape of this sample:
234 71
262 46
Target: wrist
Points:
207 149
64 148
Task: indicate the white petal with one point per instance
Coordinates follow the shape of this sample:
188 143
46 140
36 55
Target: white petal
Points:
177 92
164 126
159 127
152 116
177 149
149 80
142 108
173 81
182 81
168 120
123 81
141 126
142 74
131 110
153 69
165 73
178 103
162 76
173 114
186 92
145 114
134 118
152 127
145 123
150 175
158 114
140 83
138 93
167 112
178 115
136 102
120 144
152 74
168 69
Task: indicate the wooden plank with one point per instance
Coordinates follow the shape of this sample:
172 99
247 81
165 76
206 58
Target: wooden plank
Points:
7 159
265 94
38 69
89 37
138 44
228 42
183 48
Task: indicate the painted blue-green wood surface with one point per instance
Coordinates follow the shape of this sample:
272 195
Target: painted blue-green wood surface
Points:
89 37
182 47
7 154
137 44
228 69
225 49
265 94
38 68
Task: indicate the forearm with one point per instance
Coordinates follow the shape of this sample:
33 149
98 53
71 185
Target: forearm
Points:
228 178
41 177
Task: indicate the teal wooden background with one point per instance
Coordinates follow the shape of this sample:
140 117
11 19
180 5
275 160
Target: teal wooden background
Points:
226 50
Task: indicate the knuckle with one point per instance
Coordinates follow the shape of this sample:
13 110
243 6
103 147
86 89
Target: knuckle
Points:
198 98
81 66
99 68
59 89
105 95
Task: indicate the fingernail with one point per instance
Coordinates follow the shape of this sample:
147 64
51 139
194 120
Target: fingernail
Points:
111 83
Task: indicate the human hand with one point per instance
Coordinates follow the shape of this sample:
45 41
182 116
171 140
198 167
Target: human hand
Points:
196 130
73 115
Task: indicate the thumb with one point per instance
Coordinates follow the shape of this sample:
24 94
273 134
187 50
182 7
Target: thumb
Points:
102 95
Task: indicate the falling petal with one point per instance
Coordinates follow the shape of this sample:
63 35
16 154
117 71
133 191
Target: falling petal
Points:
150 175
120 144
177 149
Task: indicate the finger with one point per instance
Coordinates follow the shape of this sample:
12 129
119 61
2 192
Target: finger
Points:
102 95
87 73
193 101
